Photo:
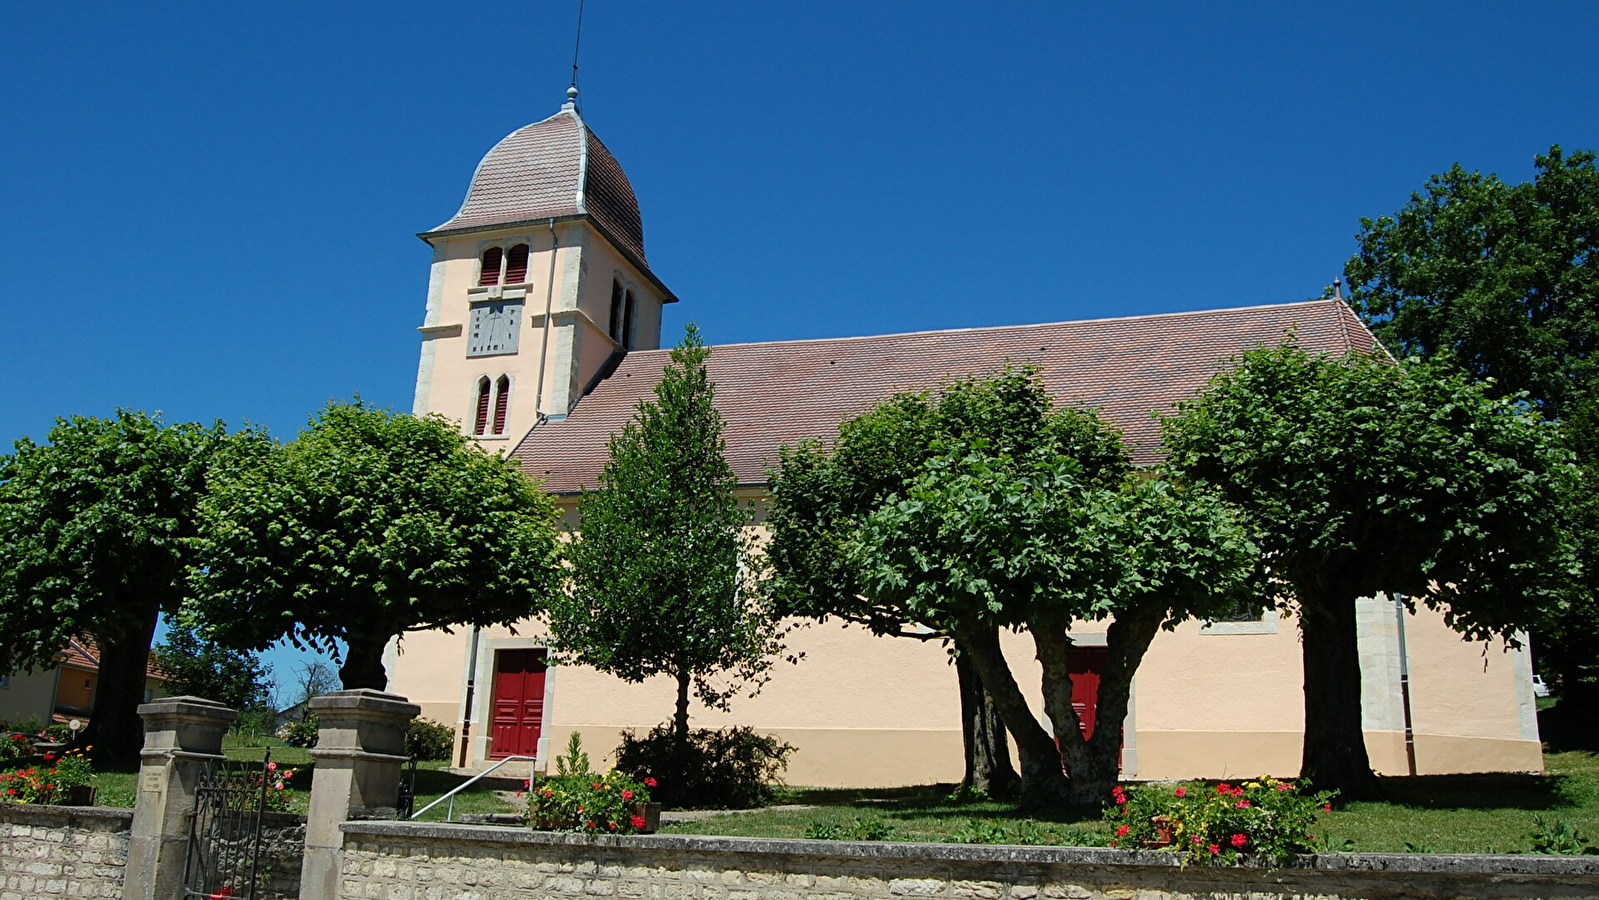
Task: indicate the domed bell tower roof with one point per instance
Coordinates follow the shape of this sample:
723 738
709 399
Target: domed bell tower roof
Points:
555 168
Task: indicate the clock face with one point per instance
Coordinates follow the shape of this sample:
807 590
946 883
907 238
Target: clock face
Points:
493 328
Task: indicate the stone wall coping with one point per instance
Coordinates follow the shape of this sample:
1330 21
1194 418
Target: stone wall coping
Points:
187 707
116 818
1453 864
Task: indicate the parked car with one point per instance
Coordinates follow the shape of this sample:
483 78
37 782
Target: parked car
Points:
1539 687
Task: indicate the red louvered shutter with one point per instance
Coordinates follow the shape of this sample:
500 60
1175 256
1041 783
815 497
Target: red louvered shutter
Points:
480 422
502 401
490 273
516 265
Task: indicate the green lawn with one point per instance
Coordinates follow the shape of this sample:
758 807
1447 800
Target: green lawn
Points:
1444 814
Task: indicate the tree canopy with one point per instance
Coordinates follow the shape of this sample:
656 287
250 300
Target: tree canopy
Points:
367 526
1360 477
660 579
1038 529
94 526
1502 278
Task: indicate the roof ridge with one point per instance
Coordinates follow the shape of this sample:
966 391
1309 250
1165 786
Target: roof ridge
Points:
988 328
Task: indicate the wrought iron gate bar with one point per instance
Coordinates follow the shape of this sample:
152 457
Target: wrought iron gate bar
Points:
230 799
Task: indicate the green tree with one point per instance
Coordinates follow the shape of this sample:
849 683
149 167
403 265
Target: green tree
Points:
821 491
194 666
367 526
93 530
660 582
1360 477
1502 278
979 509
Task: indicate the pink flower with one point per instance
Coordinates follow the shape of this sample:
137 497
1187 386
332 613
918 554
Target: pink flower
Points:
1243 804
1240 839
627 794
649 782
1182 792
1198 840
1224 788
1215 848
1285 787
272 767
1121 830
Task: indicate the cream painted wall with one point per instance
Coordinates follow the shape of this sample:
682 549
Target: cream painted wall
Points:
570 273
29 695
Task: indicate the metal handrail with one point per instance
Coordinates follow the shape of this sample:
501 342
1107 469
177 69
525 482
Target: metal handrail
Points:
449 811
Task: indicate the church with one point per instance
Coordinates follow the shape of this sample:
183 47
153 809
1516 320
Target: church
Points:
542 332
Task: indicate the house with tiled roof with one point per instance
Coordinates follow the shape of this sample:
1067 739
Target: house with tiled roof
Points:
66 690
542 333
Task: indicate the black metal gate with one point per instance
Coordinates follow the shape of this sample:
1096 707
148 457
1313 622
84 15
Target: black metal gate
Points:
225 830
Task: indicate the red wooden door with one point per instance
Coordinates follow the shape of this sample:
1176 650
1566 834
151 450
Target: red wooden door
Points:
518 703
1086 664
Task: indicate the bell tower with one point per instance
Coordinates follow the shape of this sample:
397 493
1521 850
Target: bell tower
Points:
539 283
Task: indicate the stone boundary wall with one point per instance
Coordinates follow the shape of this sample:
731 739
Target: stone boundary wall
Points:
406 861
62 851
282 850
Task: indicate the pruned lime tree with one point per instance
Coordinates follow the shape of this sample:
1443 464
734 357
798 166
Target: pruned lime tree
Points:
659 573
367 526
1502 279
1009 515
94 529
1360 477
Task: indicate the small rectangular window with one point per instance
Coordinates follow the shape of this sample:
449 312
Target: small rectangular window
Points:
5 681
494 328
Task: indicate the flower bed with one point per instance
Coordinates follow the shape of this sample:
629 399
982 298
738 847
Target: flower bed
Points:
58 779
1265 820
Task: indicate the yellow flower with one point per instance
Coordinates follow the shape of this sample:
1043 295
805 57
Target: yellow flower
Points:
1251 784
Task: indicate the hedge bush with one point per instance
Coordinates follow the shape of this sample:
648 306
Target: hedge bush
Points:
729 768
426 739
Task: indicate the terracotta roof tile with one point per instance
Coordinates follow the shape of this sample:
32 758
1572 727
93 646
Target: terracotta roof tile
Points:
776 393
82 653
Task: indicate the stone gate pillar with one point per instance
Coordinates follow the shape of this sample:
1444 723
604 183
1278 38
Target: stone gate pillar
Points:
181 736
359 752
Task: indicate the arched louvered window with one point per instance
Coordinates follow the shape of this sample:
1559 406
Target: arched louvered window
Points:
627 322
502 402
490 273
480 419
516 264
616 311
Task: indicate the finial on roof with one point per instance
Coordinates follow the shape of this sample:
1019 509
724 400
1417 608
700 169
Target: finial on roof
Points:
1338 287
571 98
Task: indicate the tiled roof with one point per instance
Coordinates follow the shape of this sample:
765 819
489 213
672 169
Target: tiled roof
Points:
553 168
774 394
82 653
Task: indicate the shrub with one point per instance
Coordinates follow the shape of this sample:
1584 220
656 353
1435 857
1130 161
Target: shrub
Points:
863 828
576 799
15 745
729 768
57 732
427 739
1265 820
301 733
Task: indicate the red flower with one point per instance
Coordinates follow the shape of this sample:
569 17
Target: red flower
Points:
627 794
595 785
1121 830
1240 839
591 826
1285 787
1243 804
649 782
1113 845
611 825
1182 792
1224 788
1198 840
49 757
638 822
1215 848
1326 807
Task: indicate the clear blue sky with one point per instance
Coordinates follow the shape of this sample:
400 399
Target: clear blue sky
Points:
209 210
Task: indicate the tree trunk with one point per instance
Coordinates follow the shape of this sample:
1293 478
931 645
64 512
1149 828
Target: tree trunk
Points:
680 719
1043 781
115 729
1094 765
363 663
1335 745
988 767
